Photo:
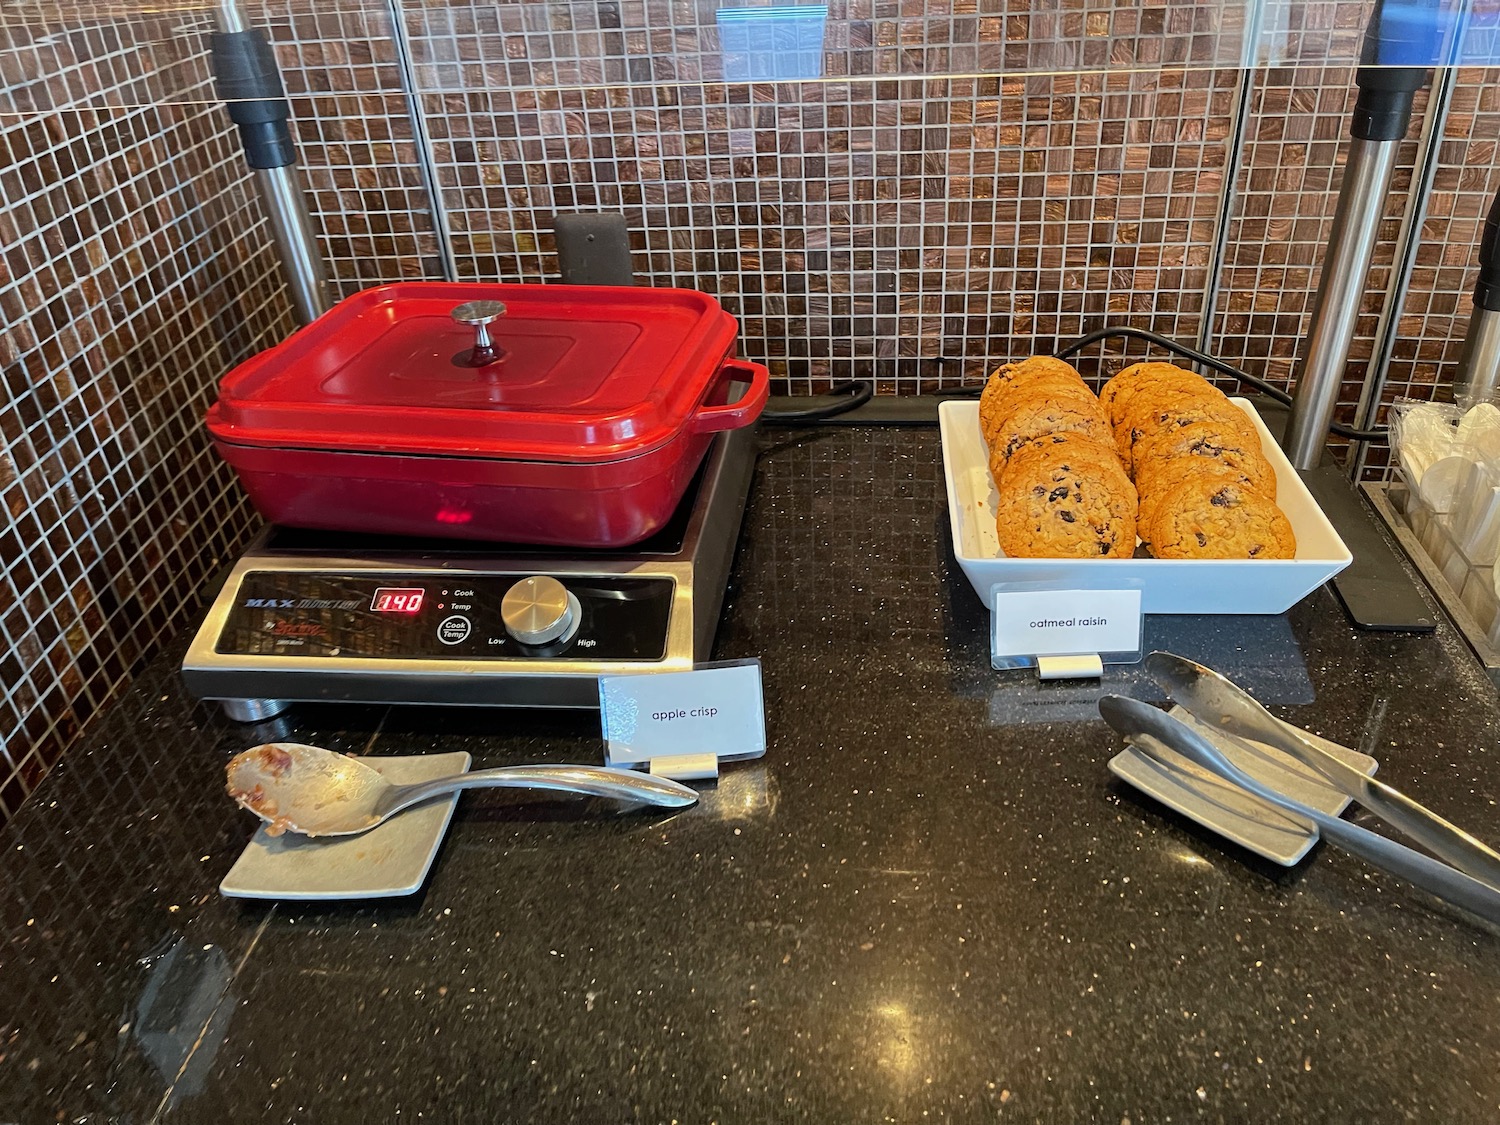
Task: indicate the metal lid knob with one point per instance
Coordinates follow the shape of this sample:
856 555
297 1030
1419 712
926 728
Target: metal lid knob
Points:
479 314
539 610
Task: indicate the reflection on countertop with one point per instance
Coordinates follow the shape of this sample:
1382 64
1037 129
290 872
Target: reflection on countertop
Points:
929 899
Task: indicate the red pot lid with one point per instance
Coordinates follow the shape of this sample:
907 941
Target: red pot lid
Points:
589 373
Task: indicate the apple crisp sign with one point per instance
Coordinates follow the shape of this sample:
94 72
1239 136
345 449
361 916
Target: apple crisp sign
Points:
714 709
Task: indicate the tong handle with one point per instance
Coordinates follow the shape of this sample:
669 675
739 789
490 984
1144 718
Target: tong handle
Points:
1420 870
1216 700
1439 836
1134 719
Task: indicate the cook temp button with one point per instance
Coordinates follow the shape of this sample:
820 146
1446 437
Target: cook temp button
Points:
453 629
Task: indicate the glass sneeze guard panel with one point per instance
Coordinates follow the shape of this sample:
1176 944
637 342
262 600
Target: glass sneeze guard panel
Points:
154 54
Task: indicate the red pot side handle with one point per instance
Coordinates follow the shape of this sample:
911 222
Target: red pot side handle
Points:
735 415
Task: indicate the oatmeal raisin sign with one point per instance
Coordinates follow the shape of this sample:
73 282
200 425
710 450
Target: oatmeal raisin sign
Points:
1047 622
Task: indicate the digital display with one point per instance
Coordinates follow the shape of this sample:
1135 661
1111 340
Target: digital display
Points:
397 599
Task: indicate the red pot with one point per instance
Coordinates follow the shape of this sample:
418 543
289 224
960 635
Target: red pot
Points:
586 433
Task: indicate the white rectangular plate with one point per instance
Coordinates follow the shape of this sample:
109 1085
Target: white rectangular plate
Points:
1226 808
1166 585
389 860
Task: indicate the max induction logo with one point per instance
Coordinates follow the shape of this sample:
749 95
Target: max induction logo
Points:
301 603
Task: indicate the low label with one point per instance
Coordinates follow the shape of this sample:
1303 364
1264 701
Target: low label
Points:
1066 622
714 709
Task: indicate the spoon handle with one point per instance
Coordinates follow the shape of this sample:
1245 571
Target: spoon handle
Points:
1131 717
624 785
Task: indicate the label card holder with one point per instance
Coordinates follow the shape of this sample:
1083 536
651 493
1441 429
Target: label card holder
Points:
675 722
1057 631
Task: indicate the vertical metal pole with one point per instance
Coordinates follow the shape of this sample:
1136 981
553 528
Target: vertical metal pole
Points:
245 70
1478 375
1381 116
1341 288
1244 97
1479 367
230 18
420 137
1228 203
1408 240
285 197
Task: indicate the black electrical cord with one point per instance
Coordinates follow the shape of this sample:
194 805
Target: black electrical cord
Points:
1178 349
1218 365
859 394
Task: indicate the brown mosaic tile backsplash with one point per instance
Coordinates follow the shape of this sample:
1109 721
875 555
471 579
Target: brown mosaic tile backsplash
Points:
135 270
890 230
950 185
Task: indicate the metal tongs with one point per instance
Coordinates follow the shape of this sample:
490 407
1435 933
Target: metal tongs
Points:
1473 880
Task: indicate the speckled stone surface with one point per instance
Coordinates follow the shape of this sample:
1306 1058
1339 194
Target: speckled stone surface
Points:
930 901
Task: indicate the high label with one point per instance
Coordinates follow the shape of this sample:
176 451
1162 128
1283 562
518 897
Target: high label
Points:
715 709
1066 622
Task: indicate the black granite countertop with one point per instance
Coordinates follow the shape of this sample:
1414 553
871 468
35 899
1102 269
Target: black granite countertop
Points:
929 901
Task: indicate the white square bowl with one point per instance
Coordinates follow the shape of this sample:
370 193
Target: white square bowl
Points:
1166 585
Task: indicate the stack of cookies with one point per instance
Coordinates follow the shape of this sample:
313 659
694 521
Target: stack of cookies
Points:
1206 490
1064 491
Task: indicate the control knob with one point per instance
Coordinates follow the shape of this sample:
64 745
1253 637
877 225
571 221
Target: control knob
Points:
540 610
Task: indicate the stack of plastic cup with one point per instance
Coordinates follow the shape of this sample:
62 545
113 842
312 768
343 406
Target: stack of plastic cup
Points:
1450 461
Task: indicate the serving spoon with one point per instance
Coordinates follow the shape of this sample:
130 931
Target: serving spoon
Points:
1141 723
317 792
1218 701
